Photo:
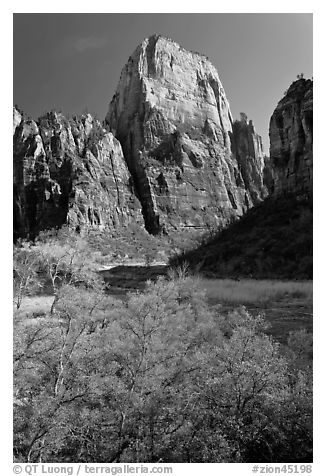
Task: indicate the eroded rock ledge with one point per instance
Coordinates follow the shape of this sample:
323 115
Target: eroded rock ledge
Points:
69 172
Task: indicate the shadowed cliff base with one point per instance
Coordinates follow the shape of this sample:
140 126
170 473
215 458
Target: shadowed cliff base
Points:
272 240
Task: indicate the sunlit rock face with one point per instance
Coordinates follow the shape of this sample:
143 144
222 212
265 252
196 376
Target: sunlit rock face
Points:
291 138
173 120
69 172
249 151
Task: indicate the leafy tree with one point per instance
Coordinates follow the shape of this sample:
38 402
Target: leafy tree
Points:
55 361
66 262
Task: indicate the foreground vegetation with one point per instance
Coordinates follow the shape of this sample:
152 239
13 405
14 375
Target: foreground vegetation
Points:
160 376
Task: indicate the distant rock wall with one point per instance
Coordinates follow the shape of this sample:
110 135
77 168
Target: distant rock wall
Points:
291 138
69 172
173 120
249 151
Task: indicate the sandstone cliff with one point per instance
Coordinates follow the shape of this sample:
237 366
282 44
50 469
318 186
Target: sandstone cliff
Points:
173 120
249 151
69 172
291 138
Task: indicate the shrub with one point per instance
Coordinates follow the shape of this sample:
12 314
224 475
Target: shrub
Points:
154 378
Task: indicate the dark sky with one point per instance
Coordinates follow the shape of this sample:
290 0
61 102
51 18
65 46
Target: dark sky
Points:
72 62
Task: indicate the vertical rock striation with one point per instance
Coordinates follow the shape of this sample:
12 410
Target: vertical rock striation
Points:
291 137
69 172
249 151
173 120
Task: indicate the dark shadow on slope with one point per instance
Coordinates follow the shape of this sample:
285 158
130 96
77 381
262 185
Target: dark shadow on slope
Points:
273 240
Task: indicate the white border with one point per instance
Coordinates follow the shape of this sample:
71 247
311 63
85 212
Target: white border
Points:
168 6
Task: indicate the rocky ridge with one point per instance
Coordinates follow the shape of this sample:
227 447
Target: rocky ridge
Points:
174 159
291 138
69 172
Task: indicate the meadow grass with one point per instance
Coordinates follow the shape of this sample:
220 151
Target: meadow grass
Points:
35 304
228 291
251 291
